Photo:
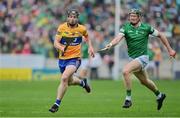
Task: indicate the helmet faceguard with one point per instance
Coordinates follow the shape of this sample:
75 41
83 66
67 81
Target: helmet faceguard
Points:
135 11
72 17
135 16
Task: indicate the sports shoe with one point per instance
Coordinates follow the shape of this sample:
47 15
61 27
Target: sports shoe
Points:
54 108
127 104
86 86
160 101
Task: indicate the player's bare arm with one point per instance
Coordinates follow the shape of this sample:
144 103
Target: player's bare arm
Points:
164 40
57 45
115 41
90 49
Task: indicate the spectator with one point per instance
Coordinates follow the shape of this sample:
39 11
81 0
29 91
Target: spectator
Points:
32 18
157 57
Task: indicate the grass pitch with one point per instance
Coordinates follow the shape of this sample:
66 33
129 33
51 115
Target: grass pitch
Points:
34 98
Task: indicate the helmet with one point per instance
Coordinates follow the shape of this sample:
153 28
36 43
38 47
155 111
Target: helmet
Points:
73 12
135 11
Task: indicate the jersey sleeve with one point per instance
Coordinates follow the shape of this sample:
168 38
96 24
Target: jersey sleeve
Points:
153 31
85 33
122 30
59 32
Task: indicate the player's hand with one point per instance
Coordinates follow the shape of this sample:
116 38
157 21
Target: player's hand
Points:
91 52
62 48
108 46
172 53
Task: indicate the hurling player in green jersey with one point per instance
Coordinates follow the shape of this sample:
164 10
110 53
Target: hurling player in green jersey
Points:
136 34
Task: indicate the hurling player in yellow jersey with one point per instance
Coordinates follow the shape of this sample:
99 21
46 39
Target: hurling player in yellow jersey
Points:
68 42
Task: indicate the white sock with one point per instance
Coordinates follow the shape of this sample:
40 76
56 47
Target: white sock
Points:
159 96
82 83
56 104
128 98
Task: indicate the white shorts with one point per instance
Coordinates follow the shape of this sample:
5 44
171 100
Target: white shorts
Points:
143 60
84 64
151 64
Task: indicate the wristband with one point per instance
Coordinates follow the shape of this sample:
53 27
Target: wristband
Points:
110 44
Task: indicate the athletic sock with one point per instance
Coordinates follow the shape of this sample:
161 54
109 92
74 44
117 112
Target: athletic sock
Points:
157 92
58 102
128 98
128 92
128 95
82 83
159 96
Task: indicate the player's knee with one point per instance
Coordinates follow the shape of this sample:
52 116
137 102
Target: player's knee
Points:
64 83
64 80
125 72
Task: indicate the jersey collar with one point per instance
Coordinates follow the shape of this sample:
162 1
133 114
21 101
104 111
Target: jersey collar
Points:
71 27
139 24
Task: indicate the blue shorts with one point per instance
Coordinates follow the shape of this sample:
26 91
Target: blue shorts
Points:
65 62
157 63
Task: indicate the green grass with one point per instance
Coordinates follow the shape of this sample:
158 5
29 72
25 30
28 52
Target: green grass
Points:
33 99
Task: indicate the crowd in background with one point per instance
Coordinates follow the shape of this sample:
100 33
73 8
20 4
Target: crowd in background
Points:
29 26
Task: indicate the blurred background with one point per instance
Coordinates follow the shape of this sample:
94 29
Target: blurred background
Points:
28 27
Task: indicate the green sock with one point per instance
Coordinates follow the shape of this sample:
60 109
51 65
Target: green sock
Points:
157 92
128 92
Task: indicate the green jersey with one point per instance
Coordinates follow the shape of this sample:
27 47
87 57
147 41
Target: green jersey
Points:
84 50
137 38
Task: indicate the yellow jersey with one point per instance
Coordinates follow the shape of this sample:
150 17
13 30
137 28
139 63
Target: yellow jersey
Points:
158 54
76 35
